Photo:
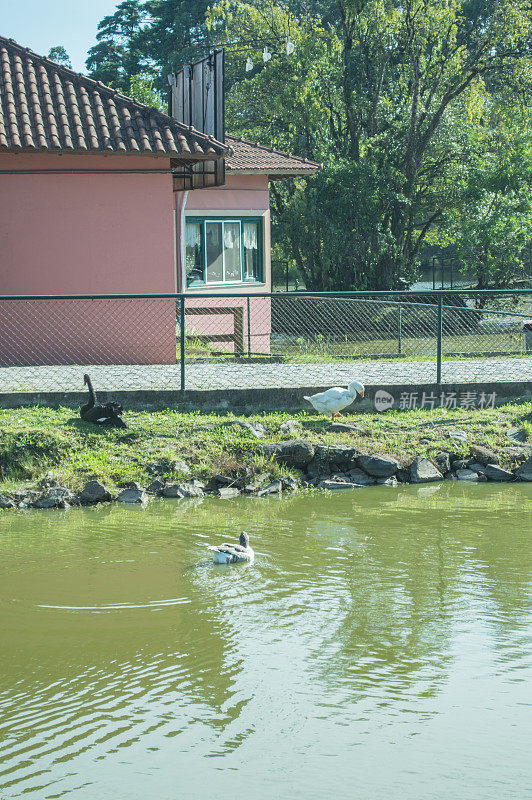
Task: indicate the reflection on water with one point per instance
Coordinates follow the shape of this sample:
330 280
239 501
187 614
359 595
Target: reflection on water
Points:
380 645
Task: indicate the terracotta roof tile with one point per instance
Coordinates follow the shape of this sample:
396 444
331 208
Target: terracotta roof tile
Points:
45 106
249 157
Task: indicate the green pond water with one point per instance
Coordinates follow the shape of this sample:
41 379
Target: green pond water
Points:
379 647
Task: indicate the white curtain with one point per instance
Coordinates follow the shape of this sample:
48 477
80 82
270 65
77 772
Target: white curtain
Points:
193 234
229 238
250 236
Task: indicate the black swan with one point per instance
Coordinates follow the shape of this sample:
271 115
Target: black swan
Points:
102 414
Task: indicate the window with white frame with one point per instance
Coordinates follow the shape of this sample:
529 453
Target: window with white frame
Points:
223 250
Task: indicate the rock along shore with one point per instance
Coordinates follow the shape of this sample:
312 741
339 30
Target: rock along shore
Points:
330 468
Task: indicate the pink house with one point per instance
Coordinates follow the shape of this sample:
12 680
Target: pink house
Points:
93 201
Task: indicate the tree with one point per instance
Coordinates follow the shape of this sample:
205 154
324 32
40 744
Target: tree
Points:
175 34
148 36
142 89
395 97
60 56
490 223
115 57
390 99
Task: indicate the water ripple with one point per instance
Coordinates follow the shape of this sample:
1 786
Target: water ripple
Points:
364 626
172 601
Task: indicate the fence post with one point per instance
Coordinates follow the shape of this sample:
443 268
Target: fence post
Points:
238 330
249 327
182 339
440 335
400 327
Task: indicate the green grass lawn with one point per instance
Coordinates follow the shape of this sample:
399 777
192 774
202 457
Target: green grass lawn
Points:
305 349
416 347
36 440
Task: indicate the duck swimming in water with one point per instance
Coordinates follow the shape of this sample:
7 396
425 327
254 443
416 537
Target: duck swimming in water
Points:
233 553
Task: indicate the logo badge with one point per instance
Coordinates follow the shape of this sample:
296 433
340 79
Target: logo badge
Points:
382 400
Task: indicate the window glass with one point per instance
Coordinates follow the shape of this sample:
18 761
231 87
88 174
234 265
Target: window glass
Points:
218 251
233 263
214 252
193 254
251 251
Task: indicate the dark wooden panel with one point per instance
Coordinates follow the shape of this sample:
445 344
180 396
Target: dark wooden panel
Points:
197 99
213 310
212 337
219 96
197 95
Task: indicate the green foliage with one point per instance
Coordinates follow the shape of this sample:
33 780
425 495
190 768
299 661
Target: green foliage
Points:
413 108
330 223
60 56
148 37
490 223
142 89
390 98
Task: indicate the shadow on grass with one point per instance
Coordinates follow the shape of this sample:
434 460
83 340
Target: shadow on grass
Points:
90 427
323 425
316 425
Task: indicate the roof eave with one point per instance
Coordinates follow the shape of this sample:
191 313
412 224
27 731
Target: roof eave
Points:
195 157
172 155
275 173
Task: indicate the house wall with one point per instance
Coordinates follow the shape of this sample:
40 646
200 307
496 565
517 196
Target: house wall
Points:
242 195
107 231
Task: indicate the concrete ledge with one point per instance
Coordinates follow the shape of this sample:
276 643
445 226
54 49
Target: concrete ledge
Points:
280 399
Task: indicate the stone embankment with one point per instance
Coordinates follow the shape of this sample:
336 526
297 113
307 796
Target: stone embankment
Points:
332 468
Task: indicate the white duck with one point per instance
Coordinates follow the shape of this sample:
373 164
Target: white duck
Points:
333 400
233 553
